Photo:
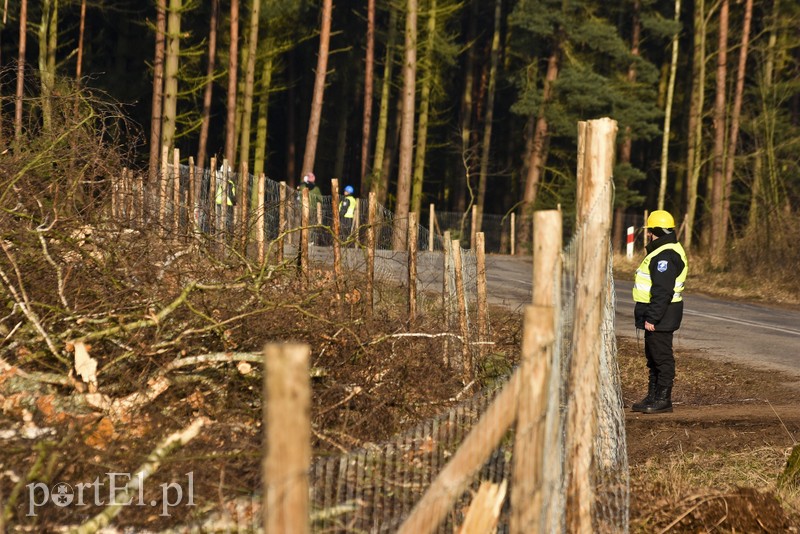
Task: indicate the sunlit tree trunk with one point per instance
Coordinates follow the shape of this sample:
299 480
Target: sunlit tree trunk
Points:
233 72
23 31
48 41
673 70
735 115
262 122
369 82
81 30
171 73
205 122
467 109
383 112
291 126
718 177
158 88
312 135
406 128
249 82
538 151
487 129
695 126
424 109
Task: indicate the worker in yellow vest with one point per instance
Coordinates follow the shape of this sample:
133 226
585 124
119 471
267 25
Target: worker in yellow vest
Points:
658 294
347 211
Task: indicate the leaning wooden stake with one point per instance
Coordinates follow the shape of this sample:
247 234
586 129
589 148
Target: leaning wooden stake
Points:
287 402
337 245
304 232
447 295
412 267
176 189
466 354
372 211
473 227
431 233
480 257
593 220
162 189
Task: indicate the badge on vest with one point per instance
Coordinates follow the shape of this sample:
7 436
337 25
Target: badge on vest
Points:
662 266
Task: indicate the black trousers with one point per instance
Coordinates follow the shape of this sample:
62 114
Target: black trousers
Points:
660 357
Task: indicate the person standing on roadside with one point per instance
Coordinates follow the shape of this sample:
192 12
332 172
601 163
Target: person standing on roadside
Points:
314 198
658 294
347 211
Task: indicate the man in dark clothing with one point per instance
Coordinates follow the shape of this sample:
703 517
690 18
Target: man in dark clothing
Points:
658 293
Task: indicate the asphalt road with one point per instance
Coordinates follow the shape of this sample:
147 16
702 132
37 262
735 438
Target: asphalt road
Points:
750 334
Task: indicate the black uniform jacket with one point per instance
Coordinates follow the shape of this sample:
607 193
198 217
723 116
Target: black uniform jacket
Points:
661 311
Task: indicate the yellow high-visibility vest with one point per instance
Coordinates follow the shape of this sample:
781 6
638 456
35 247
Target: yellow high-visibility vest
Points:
642 283
351 208
231 192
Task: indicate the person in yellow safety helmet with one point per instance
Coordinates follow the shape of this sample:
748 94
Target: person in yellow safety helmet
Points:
347 211
658 296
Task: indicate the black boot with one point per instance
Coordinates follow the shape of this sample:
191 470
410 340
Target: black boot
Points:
662 402
648 400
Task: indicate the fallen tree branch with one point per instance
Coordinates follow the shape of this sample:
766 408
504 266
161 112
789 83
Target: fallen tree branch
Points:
150 466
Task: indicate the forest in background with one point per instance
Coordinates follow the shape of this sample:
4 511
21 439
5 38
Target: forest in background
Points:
472 102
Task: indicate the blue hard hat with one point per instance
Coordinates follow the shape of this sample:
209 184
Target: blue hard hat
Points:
349 189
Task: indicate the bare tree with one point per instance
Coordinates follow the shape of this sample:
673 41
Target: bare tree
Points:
383 113
673 71
170 112
406 129
249 82
48 42
720 104
233 54
81 30
23 30
369 64
158 87
209 85
429 71
319 88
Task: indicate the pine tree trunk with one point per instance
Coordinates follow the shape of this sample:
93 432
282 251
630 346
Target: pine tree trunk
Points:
158 89
487 128
233 72
735 116
467 110
47 41
249 84
81 31
171 74
291 125
23 31
695 127
424 111
406 129
718 176
383 113
319 88
263 112
369 82
205 123
673 70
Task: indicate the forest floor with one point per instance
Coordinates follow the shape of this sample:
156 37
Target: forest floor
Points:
711 465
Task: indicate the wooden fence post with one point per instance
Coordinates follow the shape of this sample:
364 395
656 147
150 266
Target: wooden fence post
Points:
281 221
162 189
593 221
473 227
243 198
513 233
191 201
337 245
211 200
223 201
431 234
412 266
371 242
261 217
304 215
466 354
447 296
480 257
644 233
287 401
176 189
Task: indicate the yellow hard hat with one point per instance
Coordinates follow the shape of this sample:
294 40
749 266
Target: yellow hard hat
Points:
660 219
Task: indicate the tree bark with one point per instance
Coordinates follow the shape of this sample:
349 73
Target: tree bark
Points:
467 111
263 112
171 74
406 129
487 127
205 123
158 88
673 70
319 88
233 72
369 82
735 116
424 111
23 32
383 113
249 84
718 179
81 30
695 127
48 41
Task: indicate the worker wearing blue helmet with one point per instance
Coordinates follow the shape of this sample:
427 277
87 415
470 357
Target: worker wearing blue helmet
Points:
347 211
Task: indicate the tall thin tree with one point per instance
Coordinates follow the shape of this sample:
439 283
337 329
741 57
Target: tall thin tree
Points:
406 129
369 82
673 72
426 82
23 31
171 64
720 109
383 110
158 89
249 82
233 72
205 122
695 124
312 135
